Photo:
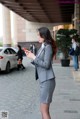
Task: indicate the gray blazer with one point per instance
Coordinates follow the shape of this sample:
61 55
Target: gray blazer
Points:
43 63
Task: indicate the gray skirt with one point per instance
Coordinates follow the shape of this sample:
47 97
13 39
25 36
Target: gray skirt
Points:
46 91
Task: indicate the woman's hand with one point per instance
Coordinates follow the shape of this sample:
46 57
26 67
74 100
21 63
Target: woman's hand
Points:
29 54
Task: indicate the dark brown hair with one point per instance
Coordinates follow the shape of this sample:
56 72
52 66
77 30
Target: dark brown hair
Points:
75 38
45 33
19 47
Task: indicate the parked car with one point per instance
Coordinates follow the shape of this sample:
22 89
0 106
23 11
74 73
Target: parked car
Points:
8 59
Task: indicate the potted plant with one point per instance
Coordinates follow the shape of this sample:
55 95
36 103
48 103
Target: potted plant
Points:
63 41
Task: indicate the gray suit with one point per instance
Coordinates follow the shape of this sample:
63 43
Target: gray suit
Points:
43 63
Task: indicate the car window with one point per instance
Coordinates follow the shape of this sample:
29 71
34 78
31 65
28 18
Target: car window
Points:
7 51
12 51
0 50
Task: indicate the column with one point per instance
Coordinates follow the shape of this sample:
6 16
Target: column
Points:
14 28
18 28
6 26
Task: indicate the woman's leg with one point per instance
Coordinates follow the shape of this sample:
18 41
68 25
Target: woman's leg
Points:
45 111
78 62
75 62
18 65
22 66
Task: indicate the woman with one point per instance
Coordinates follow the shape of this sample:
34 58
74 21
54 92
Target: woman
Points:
75 55
20 58
43 63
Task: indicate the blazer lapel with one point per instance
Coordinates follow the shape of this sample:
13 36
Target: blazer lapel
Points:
40 51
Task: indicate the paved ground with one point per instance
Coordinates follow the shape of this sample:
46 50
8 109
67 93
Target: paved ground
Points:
76 74
19 94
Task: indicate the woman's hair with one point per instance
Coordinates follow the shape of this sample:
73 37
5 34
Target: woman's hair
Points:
75 38
19 47
45 33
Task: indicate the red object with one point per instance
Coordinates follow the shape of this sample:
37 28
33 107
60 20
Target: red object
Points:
24 49
1 57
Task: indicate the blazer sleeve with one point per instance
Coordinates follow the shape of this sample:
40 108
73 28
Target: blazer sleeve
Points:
47 58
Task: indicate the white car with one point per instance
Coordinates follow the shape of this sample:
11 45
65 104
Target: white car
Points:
8 58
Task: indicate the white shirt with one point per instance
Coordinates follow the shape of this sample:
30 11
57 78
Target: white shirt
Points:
42 47
74 45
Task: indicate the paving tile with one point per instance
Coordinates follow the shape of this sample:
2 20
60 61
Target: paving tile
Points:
19 94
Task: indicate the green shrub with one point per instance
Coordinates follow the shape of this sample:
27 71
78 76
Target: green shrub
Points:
63 40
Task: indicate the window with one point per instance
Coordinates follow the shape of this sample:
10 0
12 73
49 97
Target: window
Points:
7 51
0 50
12 51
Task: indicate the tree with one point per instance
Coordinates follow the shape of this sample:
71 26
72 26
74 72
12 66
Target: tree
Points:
63 40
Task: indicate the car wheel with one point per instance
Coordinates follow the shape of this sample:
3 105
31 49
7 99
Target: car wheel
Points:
8 67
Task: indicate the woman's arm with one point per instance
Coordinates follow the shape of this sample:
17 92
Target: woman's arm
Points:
47 58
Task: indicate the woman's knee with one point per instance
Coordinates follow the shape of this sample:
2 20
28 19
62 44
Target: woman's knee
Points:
44 108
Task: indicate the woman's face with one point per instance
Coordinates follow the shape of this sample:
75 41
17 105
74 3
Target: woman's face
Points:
40 39
17 47
73 41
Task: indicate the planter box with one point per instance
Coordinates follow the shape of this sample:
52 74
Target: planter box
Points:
65 62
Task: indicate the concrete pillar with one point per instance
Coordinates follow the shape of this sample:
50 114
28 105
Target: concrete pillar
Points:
6 26
31 30
14 28
17 28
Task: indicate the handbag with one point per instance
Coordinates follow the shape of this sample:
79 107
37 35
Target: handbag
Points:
71 52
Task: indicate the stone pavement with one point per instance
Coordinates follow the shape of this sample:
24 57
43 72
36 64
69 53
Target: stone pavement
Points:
76 74
19 94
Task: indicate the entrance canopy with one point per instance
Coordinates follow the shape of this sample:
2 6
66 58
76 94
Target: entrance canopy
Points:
45 11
